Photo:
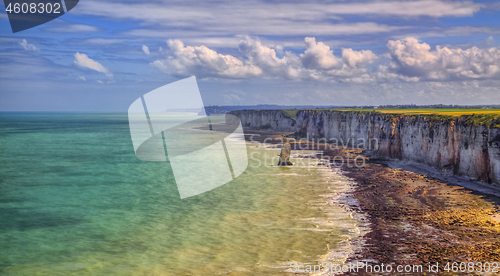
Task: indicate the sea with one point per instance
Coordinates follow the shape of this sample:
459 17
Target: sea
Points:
75 200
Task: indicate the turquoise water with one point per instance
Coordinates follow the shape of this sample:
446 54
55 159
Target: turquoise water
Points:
75 200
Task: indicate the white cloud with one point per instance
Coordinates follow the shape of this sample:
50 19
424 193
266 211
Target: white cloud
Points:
451 31
317 62
358 58
408 60
469 30
214 41
82 78
431 8
488 43
84 61
145 49
203 62
319 56
256 17
26 46
280 27
263 57
237 13
416 60
104 41
74 28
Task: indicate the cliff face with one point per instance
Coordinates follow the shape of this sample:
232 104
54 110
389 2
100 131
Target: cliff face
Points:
273 120
453 146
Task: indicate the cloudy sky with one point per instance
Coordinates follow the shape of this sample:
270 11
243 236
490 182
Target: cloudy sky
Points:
104 54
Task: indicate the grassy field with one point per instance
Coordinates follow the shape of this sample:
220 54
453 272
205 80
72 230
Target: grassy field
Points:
486 117
437 111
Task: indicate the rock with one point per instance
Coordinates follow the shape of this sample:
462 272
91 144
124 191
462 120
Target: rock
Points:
285 155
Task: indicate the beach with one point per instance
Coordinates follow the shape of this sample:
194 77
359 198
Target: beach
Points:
417 219
414 221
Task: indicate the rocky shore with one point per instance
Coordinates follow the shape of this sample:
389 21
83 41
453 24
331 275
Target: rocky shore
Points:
413 219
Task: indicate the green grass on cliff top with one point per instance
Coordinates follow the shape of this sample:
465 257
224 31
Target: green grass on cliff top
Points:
436 111
290 113
486 117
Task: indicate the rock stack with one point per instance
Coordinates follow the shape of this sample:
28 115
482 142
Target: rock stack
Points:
285 155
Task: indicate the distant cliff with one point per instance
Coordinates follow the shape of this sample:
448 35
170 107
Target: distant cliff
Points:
454 145
272 120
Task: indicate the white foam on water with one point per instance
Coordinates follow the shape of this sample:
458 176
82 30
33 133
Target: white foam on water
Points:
352 225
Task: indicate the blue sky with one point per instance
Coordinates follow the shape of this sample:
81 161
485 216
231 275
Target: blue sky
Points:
103 55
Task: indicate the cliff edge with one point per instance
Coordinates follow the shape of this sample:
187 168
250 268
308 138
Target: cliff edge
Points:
461 145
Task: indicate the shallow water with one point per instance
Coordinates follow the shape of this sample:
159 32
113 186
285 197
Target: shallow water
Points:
75 200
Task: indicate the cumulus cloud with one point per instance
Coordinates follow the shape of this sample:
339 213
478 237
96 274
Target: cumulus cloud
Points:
407 60
358 58
324 65
203 62
84 61
263 57
145 49
317 62
319 56
26 46
488 43
416 60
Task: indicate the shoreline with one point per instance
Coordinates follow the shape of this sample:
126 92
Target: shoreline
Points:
345 200
340 196
459 180
416 219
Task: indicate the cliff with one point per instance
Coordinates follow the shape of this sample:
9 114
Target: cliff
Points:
272 120
453 145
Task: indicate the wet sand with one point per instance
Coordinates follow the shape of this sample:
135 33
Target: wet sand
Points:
414 219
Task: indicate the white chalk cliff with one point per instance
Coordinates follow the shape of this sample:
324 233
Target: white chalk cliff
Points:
452 145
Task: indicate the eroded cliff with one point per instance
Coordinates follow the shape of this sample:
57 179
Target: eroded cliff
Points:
453 145
272 120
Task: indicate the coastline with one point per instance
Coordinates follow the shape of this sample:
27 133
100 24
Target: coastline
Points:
412 218
418 219
461 145
340 194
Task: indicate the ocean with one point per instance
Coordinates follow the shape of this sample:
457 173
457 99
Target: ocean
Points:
75 200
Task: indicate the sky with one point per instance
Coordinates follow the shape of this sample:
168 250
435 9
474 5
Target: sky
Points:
103 55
